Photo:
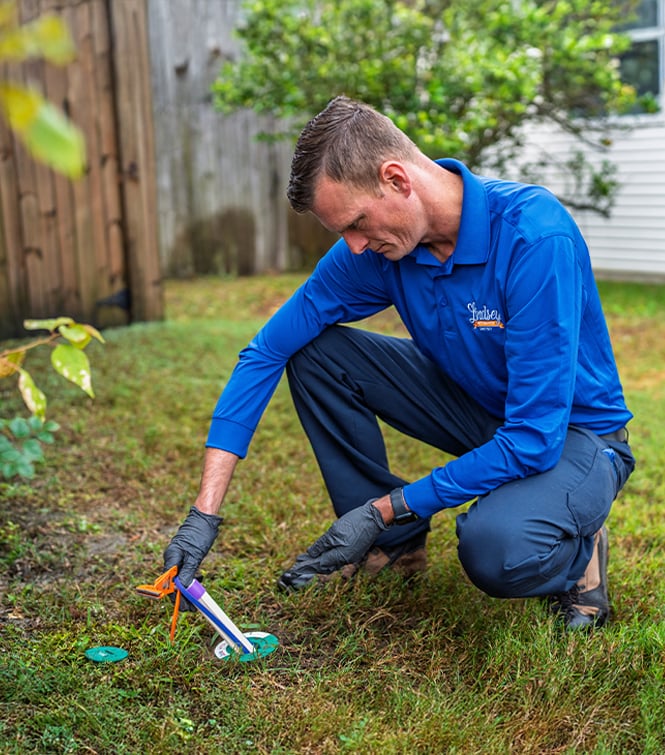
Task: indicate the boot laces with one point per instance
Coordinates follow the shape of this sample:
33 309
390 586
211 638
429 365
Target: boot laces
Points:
565 602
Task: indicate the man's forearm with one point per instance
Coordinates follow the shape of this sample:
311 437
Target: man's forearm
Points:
218 468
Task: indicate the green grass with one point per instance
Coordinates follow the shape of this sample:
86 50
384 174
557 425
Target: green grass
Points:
371 666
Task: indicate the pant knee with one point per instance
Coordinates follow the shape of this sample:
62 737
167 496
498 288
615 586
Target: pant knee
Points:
487 554
481 566
506 560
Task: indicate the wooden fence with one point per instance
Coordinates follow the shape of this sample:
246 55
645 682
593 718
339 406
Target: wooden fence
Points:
86 248
173 188
221 191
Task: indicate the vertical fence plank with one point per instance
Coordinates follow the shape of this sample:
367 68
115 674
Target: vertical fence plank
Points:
57 90
136 147
107 148
85 195
32 251
85 106
11 285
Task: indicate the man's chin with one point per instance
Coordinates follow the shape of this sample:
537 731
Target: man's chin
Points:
393 254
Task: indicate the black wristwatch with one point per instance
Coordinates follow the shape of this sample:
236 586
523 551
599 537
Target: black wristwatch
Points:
403 515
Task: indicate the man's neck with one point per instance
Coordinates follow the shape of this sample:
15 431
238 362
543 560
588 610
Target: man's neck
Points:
442 193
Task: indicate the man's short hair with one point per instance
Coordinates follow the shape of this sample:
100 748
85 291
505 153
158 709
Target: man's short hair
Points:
348 142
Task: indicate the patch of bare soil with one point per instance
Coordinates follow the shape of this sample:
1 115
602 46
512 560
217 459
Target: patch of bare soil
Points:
80 540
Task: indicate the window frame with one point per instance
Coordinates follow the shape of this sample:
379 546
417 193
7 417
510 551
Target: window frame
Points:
650 34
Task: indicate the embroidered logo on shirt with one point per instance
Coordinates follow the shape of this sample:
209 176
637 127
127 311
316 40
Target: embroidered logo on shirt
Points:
484 317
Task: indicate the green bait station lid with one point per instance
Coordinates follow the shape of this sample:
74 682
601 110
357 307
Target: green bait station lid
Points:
263 643
106 654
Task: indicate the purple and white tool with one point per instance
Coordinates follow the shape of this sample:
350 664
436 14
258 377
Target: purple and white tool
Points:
245 647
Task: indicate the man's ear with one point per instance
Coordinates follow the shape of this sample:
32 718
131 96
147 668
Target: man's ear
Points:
396 176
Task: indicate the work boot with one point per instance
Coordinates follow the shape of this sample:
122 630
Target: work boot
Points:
406 559
587 605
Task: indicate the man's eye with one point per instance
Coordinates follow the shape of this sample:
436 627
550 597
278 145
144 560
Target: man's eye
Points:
357 225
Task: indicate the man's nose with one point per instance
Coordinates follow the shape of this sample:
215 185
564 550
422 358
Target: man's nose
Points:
356 241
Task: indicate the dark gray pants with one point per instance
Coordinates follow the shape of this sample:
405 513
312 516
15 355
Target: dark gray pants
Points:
528 537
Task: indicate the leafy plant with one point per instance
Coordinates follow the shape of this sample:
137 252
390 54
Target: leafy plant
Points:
20 439
20 444
54 140
461 77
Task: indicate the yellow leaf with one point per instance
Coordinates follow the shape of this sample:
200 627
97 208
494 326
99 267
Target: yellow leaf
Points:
46 37
33 398
12 46
54 42
21 105
94 333
10 361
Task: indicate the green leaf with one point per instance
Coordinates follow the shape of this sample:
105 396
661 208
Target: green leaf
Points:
36 424
8 470
51 426
76 334
53 139
73 364
45 437
33 398
25 469
19 427
51 325
32 450
10 455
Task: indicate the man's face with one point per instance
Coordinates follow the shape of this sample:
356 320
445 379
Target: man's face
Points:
384 222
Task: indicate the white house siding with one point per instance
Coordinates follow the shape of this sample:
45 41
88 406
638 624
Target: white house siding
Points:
631 243
632 240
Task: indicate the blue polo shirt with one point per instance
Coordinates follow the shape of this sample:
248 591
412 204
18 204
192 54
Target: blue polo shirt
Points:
513 316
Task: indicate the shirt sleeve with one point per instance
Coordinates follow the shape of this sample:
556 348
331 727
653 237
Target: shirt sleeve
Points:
544 300
332 294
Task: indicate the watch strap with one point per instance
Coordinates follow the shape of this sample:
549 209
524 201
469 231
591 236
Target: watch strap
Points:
402 514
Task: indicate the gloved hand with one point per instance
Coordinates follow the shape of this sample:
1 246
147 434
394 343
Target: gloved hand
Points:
190 545
346 542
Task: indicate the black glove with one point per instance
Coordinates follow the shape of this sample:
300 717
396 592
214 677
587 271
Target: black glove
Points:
190 545
346 542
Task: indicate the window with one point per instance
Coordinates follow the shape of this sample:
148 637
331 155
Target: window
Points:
643 65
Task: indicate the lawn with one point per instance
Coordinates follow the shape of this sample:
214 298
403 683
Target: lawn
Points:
368 666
